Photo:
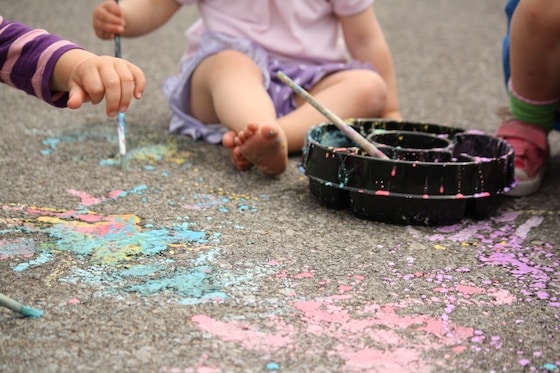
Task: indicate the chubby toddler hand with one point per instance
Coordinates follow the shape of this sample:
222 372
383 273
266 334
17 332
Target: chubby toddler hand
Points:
108 20
98 77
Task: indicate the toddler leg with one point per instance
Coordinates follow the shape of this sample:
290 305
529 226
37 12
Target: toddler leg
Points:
228 88
534 89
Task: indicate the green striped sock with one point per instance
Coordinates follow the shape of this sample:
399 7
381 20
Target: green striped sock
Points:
541 114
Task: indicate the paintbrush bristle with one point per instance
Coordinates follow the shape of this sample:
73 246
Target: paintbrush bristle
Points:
22 309
30 312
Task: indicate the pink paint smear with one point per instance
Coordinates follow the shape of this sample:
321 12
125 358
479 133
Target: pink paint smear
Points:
402 340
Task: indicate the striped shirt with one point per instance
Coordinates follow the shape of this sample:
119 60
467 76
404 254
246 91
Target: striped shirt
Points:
27 60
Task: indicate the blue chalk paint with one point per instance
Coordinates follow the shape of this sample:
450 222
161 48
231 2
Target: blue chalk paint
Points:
141 270
109 162
30 312
51 142
136 190
272 366
550 367
41 259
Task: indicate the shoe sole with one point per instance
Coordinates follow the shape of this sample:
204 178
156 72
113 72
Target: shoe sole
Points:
527 187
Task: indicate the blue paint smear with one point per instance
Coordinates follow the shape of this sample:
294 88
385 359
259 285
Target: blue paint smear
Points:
141 270
136 190
150 242
187 283
118 256
195 284
110 162
52 142
41 259
272 366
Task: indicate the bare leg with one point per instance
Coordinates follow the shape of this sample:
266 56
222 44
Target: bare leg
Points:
535 89
229 89
349 94
535 49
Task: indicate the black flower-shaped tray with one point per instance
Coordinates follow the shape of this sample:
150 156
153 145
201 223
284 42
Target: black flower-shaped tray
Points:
435 175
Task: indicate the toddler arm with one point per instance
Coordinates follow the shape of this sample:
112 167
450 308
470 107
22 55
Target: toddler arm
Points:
131 17
366 42
47 66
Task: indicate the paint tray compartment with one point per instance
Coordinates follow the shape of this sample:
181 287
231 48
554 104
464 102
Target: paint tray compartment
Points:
435 175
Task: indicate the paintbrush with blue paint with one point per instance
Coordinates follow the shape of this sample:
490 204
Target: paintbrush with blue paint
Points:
121 125
22 309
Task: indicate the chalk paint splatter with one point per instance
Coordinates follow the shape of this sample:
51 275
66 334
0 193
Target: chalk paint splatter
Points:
119 255
17 247
153 154
393 336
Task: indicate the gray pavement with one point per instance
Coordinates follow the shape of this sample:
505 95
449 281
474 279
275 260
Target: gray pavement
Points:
182 264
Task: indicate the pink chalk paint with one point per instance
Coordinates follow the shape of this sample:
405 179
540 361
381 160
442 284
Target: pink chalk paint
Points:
394 360
246 334
304 275
344 288
469 289
459 349
87 199
382 193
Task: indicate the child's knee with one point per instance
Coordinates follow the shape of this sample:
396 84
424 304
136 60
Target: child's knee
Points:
542 14
371 87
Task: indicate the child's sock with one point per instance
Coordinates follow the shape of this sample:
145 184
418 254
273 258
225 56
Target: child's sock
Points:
540 113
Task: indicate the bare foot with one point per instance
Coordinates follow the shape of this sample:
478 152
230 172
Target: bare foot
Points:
265 146
238 160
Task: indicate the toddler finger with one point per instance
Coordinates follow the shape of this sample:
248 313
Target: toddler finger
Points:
76 96
139 80
111 82
127 84
93 85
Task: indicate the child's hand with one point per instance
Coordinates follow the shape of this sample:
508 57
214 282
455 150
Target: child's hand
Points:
108 20
102 76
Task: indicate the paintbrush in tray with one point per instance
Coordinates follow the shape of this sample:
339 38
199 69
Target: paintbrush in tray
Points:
121 125
22 309
354 135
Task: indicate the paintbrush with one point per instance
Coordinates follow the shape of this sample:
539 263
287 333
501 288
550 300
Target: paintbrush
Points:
362 142
121 125
19 308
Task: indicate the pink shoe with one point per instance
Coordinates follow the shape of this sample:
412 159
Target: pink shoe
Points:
532 153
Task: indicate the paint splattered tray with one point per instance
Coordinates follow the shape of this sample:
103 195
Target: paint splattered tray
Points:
435 175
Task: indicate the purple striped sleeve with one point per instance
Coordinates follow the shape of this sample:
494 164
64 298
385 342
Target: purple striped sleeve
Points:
27 60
